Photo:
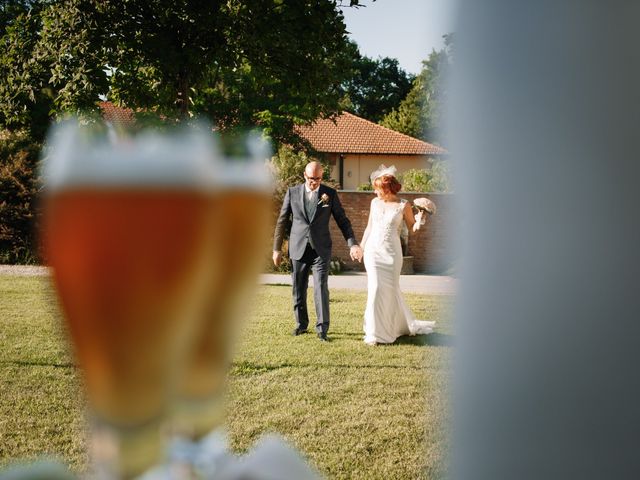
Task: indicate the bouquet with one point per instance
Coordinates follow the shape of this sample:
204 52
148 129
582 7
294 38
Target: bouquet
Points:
425 205
422 205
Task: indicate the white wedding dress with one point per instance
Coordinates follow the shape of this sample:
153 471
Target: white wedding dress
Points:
387 316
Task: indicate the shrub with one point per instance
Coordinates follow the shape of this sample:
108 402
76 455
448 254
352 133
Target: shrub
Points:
288 168
285 266
415 180
336 266
365 187
19 184
440 178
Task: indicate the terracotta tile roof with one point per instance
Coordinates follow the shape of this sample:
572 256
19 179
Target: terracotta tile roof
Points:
116 115
352 134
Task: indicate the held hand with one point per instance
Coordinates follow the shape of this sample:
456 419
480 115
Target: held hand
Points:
277 258
356 253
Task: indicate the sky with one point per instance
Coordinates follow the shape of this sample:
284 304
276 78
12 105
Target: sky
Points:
407 30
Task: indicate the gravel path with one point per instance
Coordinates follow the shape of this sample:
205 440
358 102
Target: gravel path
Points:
434 285
23 270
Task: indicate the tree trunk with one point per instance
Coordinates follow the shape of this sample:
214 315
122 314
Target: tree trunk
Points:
183 96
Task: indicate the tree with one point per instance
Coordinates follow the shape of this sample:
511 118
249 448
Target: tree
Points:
376 87
19 185
25 100
51 61
288 70
420 114
274 63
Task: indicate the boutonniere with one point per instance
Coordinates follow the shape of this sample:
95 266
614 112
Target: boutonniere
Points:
324 200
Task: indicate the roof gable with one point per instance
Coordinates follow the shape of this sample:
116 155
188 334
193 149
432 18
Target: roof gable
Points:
348 133
116 115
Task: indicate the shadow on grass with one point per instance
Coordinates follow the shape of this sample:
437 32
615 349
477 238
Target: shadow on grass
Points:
345 335
24 363
245 369
430 340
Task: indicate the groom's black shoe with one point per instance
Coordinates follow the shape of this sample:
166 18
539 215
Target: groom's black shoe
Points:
299 331
323 337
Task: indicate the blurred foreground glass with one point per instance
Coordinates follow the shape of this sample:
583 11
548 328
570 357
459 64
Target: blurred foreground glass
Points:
128 232
241 230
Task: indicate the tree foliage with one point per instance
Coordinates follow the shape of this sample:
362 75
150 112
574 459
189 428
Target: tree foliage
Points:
441 178
19 188
51 61
273 63
25 97
420 113
288 169
436 179
375 87
415 180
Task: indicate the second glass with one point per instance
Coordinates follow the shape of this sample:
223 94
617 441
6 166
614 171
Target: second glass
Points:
241 227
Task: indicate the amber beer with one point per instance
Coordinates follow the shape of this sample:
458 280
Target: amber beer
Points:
243 219
129 254
126 265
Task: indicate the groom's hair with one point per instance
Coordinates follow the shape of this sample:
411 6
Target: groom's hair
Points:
388 184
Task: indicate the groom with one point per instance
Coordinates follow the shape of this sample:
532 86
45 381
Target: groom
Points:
310 206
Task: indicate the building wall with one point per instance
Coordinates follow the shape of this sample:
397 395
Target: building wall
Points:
431 246
358 167
334 161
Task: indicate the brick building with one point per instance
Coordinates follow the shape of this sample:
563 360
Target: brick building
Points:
355 147
430 247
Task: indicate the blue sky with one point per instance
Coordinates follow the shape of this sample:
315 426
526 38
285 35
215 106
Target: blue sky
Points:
404 29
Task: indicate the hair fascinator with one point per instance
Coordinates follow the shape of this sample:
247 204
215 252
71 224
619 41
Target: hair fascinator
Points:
383 170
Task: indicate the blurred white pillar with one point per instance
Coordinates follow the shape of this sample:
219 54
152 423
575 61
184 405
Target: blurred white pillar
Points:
546 132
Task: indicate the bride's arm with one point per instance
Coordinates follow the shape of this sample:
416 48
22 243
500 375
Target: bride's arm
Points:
367 230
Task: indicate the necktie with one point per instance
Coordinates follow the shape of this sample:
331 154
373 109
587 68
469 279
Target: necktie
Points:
310 204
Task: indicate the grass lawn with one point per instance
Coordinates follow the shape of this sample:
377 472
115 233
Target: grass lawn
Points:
354 411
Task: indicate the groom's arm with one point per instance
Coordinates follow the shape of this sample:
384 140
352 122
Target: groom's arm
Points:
281 224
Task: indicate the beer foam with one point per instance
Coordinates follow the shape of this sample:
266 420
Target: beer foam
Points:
74 157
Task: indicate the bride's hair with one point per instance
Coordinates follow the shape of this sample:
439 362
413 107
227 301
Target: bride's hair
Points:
388 184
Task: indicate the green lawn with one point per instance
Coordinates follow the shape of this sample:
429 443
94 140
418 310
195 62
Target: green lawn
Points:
354 411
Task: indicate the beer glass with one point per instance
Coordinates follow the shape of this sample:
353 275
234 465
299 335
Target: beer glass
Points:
127 232
242 231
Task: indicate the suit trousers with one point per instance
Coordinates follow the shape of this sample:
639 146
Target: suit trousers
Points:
300 276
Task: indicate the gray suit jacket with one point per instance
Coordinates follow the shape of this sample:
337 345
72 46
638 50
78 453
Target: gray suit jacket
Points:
314 230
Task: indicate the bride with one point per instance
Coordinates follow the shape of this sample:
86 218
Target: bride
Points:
387 316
